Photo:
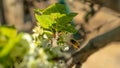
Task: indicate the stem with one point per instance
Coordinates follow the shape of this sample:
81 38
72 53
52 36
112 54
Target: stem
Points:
54 40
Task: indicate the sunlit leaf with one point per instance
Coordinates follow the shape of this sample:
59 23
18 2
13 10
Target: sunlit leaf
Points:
8 31
56 16
45 21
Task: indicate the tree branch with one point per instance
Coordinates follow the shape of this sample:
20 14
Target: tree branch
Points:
94 45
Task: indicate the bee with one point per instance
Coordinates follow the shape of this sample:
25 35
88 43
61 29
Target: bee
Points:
75 43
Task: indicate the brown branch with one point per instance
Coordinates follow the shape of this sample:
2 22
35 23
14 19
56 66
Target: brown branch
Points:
93 45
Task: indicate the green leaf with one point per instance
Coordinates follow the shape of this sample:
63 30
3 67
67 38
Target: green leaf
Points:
3 40
56 16
55 8
8 31
38 11
64 23
45 21
21 48
8 47
71 29
67 28
66 18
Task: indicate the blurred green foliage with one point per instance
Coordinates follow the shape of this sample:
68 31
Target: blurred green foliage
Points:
12 46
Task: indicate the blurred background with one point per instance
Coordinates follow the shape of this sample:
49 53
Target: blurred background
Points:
20 13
